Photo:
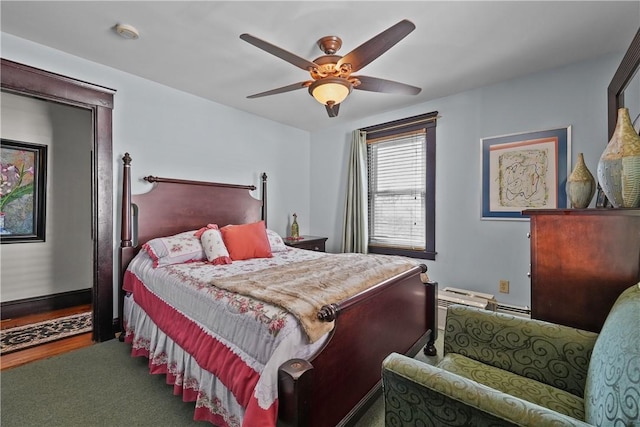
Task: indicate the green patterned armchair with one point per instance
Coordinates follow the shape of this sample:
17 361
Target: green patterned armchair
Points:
502 370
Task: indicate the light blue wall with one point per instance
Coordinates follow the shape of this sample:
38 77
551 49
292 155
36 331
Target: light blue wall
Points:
174 134
475 254
170 133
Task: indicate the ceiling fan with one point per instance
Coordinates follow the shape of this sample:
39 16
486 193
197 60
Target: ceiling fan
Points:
332 74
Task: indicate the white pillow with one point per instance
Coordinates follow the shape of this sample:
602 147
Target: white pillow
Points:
214 247
276 242
176 249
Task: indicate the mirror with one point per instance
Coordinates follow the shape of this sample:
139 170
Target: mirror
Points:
632 100
626 79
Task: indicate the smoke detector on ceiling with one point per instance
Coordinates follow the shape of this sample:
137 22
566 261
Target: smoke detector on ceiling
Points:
127 31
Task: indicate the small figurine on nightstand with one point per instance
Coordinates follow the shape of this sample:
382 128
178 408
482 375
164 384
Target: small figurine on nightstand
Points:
295 230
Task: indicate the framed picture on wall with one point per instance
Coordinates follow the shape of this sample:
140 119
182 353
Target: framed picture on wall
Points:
524 171
22 191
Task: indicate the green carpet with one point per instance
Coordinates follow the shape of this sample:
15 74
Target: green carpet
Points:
103 385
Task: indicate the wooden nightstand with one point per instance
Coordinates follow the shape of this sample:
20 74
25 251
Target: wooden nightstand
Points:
312 243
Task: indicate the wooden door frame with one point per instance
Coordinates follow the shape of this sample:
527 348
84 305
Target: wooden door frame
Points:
29 81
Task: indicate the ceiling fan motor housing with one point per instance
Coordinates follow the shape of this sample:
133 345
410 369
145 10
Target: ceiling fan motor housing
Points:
330 44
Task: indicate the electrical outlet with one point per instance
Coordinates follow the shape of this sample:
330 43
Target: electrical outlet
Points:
504 286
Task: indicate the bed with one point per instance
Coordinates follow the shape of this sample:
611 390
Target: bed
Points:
250 341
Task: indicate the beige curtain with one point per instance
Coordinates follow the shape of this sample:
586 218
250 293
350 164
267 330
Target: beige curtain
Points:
356 224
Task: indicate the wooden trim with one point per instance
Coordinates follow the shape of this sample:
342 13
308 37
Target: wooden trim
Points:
414 122
42 304
26 80
429 126
422 132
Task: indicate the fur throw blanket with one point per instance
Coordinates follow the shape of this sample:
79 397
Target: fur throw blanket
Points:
302 288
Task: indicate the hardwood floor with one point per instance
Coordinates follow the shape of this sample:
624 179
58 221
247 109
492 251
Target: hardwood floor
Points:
44 351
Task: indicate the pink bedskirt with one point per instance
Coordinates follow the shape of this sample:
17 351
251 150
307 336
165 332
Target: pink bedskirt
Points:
200 368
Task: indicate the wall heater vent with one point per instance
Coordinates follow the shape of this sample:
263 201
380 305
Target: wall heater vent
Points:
449 296
514 309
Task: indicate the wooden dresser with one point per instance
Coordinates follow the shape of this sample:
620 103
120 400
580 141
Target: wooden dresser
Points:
581 260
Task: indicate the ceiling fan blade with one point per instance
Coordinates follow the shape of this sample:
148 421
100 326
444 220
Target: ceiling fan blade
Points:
282 89
374 84
332 110
279 52
370 50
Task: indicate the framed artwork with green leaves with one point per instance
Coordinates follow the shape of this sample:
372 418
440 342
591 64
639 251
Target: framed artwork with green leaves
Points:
22 191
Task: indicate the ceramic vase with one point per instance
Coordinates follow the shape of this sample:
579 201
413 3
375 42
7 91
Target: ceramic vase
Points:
619 165
581 185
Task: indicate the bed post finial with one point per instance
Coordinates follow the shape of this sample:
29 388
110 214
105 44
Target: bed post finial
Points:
264 197
328 313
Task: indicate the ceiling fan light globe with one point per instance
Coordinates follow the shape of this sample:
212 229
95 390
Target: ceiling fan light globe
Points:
330 91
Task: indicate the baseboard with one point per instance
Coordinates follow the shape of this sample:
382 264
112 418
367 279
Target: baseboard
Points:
36 305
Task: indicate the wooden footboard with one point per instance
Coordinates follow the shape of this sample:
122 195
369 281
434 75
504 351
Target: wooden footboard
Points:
339 383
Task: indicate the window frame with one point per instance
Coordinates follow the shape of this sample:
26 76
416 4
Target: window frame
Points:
426 122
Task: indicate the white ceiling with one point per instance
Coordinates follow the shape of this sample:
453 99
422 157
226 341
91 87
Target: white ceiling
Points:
194 46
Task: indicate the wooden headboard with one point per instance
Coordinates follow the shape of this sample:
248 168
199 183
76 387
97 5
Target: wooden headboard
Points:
175 205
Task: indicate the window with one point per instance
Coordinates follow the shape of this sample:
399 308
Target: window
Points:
401 175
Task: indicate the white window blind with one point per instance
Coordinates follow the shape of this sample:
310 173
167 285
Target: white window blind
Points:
397 189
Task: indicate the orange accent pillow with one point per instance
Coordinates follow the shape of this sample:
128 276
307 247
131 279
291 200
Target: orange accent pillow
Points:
246 241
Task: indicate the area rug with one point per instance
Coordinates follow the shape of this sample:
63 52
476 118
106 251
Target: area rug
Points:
21 337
